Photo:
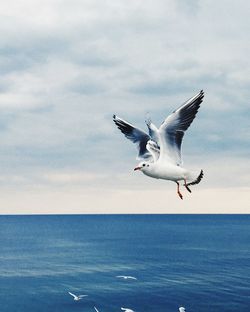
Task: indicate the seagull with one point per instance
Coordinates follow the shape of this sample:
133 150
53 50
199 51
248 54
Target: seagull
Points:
160 149
126 277
127 310
182 309
98 310
77 298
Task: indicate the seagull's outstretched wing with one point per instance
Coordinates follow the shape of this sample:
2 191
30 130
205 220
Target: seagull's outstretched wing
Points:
135 135
172 130
82 296
96 309
132 277
75 297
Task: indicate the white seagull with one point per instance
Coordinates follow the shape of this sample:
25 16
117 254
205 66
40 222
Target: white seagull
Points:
96 309
126 277
160 150
77 298
182 309
127 310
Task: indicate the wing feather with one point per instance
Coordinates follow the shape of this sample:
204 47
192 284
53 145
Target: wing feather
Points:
172 130
137 136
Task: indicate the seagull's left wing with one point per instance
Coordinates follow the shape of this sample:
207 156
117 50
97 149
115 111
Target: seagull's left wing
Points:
172 130
81 296
73 295
135 135
132 277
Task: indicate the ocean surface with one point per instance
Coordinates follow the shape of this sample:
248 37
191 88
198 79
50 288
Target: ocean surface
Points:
201 262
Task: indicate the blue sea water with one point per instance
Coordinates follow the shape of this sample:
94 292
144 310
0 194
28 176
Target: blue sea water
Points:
201 262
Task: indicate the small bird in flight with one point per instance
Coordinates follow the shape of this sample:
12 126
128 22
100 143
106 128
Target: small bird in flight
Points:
77 298
126 277
127 310
160 150
182 309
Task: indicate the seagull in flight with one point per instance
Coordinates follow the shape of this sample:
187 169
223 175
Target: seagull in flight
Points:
77 298
160 149
182 309
127 310
126 277
98 310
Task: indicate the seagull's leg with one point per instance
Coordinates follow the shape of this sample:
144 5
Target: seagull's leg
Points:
186 186
178 190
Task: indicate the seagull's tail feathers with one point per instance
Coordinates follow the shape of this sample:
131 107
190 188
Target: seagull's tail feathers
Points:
197 180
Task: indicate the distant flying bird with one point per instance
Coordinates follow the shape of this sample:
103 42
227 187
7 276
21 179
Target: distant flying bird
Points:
96 309
182 309
127 310
126 277
160 150
77 298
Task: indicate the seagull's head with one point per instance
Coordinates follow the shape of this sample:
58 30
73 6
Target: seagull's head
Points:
143 166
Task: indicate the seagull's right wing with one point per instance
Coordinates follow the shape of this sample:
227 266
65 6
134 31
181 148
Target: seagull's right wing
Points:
135 135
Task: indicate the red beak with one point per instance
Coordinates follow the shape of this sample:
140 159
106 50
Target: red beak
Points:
137 168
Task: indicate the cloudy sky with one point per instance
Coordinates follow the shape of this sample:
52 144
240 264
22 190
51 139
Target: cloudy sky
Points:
67 66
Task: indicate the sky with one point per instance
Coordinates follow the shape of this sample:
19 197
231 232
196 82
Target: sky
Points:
68 66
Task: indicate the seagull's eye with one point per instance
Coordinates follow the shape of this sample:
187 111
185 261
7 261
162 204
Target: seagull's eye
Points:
143 165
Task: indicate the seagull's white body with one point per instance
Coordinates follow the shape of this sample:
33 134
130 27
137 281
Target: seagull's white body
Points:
182 309
165 171
126 277
161 148
127 310
77 298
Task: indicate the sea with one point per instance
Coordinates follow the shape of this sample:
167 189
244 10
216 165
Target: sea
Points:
200 262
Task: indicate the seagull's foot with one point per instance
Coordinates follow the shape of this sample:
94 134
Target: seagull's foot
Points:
178 190
180 195
186 186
